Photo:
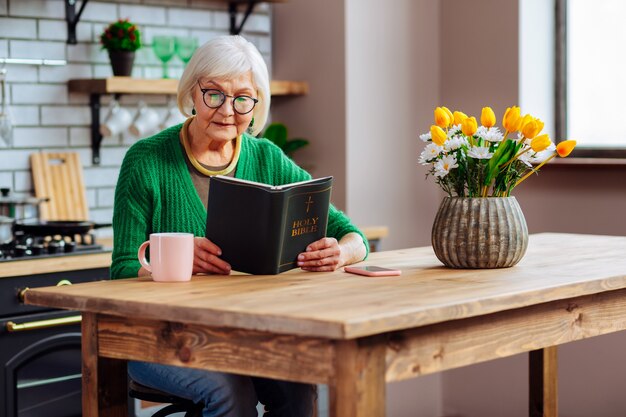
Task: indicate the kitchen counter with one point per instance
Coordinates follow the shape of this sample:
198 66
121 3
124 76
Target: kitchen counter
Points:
23 267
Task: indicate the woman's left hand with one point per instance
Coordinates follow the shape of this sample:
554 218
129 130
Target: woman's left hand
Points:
321 255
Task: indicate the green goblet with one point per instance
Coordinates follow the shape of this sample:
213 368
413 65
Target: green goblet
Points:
164 48
185 47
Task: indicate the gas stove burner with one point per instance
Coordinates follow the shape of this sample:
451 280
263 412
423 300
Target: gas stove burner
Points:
30 247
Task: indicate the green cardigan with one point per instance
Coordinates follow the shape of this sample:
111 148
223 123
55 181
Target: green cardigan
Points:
155 193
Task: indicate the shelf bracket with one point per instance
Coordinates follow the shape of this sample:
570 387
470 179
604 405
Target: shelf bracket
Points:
96 136
232 11
72 18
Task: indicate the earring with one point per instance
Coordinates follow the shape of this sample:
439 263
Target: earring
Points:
250 126
193 111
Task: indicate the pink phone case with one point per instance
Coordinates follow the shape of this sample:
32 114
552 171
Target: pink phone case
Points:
372 271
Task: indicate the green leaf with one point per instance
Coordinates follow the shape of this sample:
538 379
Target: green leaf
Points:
294 144
277 133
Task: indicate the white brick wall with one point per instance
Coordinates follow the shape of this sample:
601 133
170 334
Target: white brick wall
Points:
38 137
23 181
65 115
4 48
190 18
39 94
37 8
62 74
21 73
143 14
49 118
37 49
12 159
57 30
18 28
25 115
100 12
6 180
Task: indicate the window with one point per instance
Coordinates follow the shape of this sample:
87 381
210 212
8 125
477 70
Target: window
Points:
590 81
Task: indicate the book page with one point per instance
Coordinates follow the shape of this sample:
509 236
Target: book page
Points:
271 187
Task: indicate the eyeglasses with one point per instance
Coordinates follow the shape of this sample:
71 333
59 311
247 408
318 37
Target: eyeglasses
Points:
215 98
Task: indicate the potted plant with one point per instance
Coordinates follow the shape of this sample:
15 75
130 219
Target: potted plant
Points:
277 133
121 39
479 224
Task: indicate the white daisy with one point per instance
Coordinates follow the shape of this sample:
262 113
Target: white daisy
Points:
526 158
454 130
429 153
479 152
425 137
444 165
539 157
455 143
493 135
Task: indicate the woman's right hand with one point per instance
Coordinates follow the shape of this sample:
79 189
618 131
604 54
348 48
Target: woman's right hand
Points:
206 258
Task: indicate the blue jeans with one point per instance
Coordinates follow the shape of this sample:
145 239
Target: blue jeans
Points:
227 395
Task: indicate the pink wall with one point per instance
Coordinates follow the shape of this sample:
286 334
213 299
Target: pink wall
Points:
309 44
462 54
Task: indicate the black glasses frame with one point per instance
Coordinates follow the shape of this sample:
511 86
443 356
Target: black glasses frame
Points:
224 95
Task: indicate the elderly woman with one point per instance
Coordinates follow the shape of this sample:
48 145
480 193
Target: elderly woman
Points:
163 187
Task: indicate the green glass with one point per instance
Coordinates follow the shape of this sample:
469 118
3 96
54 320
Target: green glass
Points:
185 47
164 48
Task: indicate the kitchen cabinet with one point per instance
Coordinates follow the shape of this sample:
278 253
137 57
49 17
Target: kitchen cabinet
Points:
95 87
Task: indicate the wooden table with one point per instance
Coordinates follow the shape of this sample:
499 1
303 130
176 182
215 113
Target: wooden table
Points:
350 332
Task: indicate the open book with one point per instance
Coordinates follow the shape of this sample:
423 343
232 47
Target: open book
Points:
261 229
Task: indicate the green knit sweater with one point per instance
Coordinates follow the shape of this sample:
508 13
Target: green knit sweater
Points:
155 193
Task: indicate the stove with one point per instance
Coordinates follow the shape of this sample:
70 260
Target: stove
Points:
24 247
40 348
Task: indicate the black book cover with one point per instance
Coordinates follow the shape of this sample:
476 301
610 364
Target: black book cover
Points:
260 228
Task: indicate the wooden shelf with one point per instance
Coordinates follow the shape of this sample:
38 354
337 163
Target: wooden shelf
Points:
129 85
95 87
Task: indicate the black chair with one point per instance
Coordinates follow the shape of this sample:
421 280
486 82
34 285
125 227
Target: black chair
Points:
177 404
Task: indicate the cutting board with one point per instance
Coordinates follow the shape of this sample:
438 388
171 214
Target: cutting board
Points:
59 176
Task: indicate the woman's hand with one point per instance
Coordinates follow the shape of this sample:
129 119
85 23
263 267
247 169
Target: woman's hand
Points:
206 258
327 254
321 255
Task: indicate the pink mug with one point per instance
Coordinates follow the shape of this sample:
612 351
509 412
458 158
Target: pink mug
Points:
171 256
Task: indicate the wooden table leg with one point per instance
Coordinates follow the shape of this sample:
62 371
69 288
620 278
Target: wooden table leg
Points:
359 386
105 390
543 382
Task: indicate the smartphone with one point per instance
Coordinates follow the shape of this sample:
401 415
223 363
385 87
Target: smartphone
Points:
372 271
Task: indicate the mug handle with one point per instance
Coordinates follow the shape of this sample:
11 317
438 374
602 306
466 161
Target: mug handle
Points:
141 254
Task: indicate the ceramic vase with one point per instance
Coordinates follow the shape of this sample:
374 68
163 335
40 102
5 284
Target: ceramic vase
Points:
479 232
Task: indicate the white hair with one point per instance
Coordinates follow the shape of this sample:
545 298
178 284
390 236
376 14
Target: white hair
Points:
227 57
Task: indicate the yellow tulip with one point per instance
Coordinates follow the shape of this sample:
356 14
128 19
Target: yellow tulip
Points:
442 119
437 135
450 115
511 119
459 116
540 143
487 117
469 126
565 148
531 128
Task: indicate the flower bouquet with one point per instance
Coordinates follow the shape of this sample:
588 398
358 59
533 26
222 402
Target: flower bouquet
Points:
472 161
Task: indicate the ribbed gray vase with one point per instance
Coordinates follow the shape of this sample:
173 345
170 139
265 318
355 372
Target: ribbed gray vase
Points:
480 232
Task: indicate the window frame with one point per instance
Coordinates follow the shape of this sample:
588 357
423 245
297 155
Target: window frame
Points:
560 89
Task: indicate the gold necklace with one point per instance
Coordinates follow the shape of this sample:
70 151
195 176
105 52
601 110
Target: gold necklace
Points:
194 161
